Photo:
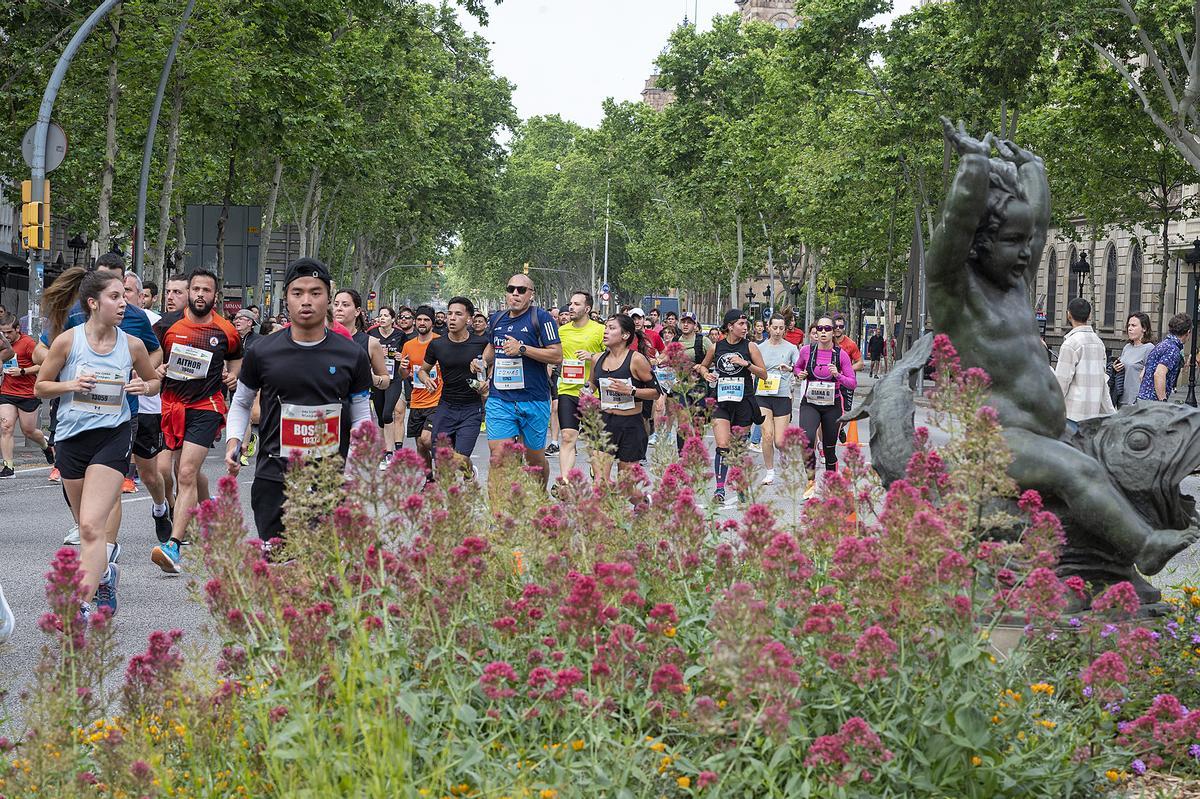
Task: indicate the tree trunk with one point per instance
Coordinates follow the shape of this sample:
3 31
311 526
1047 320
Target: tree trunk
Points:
737 270
810 302
304 218
268 224
180 237
1166 271
103 233
223 219
164 199
314 224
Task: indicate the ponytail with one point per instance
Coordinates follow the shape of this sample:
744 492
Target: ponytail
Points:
58 298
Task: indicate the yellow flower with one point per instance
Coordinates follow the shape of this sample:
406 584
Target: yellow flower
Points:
1189 589
995 719
666 761
1195 600
577 744
670 631
684 782
1047 724
976 760
658 746
1042 688
548 793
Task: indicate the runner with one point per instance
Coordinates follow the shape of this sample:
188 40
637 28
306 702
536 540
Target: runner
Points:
146 426
822 396
149 295
348 311
17 402
462 358
774 393
310 379
204 354
174 301
439 324
479 324
525 340
690 392
582 339
385 400
427 394
89 367
737 362
624 380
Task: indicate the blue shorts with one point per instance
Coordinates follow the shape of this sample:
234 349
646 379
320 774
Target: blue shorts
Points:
460 423
528 420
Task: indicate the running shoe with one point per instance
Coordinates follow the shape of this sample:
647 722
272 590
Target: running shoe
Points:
115 555
251 445
653 439
756 447
106 592
719 497
71 539
48 452
731 501
166 557
163 526
842 435
8 622
769 477
387 460
552 449
86 610
55 477
6 472
127 487
811 491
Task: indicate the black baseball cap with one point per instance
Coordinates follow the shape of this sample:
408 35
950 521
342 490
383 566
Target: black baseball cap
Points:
307 267
731 316
687 315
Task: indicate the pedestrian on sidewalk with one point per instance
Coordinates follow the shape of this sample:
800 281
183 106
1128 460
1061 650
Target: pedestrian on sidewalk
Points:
1165 361
1080 369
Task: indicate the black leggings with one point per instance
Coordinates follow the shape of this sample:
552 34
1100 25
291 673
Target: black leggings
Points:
826 417
385 402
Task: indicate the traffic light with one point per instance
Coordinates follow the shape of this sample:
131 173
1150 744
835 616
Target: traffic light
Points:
526 270
35 217
429 266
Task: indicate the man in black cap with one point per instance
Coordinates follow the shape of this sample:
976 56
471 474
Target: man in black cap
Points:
315 389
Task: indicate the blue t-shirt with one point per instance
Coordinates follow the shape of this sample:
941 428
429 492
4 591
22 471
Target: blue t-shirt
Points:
135 323
1168 352
534 328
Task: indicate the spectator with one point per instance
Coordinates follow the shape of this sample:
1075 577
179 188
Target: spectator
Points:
1080 369
875 348
1129 368
1165 361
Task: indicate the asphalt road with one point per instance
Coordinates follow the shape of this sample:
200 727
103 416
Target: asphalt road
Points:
36 518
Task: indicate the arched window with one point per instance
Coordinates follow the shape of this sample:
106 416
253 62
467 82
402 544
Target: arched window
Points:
1110 287
1135 278
1072 286
1051 287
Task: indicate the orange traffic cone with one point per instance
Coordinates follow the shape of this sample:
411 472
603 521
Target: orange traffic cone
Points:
852 438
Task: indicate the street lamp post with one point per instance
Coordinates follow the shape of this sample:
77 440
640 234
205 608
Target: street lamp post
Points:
1192 259
78 244
750 295
1080 268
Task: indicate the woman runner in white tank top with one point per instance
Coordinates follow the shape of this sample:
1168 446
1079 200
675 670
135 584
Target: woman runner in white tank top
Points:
89 367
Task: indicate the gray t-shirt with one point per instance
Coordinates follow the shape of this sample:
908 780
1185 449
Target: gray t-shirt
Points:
784 353
1134 359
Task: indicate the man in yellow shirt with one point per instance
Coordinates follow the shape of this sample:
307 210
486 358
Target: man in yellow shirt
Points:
426 396
581 339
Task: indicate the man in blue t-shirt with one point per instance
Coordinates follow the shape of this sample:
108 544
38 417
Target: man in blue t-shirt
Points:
526 342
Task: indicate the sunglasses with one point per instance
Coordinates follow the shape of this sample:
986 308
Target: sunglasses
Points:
824 328
840 327
405 318
516 289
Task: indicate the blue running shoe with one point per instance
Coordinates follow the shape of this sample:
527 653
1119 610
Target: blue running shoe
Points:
106 592
115 555
166 557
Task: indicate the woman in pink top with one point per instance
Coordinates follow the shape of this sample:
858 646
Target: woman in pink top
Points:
822 369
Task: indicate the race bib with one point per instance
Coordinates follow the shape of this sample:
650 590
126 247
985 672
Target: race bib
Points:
509 374
309 430
572 372
730 389
821 393
188 363
666 377
106 397
611 400
768 386
390 365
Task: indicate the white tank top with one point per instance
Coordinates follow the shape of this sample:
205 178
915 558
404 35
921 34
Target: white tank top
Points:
104 405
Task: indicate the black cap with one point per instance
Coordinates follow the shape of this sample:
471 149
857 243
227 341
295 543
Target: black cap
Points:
307 267
731 316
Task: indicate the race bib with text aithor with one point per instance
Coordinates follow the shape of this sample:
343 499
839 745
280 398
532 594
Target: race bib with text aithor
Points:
188 363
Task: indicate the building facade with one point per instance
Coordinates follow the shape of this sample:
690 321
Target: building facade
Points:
656 98
780 13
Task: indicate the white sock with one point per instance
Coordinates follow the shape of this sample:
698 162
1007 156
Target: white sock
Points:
159 510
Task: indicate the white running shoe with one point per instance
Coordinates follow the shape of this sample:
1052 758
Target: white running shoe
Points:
8 622
653 439
731 500
71 539
811 491
756 447
769 477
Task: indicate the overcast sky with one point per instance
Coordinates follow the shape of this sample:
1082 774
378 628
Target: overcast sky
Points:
567 56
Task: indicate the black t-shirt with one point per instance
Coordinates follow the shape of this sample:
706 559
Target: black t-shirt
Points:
454 360
300 379
392 345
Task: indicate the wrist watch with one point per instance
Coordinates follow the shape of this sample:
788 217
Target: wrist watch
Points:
522 350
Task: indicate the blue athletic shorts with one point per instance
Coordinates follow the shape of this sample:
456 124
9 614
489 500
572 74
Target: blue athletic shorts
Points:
460 423
528 420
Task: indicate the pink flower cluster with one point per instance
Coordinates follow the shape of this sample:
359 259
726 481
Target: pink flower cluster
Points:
849 754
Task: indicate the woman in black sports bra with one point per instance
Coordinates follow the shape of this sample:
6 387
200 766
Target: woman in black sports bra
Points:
623 380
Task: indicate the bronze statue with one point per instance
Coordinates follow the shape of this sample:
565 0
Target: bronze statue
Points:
981 261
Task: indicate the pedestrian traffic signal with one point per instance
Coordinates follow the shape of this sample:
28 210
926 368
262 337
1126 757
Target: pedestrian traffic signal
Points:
526 270
35 217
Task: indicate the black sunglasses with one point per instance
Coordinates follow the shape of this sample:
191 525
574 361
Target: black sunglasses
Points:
516 289
840 326
824 328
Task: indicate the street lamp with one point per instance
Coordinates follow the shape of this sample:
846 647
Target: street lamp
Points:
1192 259
768 293
750 295
77 245
1080 269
